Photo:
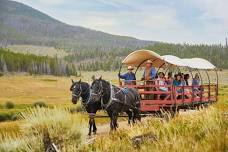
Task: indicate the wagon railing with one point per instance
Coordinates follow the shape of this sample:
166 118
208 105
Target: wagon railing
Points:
152 98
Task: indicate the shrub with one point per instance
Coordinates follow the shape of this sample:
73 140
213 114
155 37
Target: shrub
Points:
9 105
8 117
4 117
39 104
1 74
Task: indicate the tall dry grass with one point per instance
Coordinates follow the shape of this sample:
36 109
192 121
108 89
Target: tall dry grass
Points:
200 131
66 130
205 130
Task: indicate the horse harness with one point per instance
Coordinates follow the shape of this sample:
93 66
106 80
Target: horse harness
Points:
112 98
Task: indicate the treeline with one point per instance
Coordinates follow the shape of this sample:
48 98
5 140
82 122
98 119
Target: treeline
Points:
17 62
216 54
110 60
95 60
106 65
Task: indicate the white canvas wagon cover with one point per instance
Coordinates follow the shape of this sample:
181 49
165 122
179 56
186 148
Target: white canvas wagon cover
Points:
138 58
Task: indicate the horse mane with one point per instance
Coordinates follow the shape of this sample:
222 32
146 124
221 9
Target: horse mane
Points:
84 83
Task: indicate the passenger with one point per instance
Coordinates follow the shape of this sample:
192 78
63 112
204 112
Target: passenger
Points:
170 75
148 75
149 72
129 77
169 79
186 78
177 80
160 81
195 84
187 90
196 80
177 83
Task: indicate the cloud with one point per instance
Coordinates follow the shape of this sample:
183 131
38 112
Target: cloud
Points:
193 21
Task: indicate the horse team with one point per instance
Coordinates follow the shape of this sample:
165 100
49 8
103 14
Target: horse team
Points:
103 95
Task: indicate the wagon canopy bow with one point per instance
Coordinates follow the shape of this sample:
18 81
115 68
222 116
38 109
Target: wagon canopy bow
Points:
137 58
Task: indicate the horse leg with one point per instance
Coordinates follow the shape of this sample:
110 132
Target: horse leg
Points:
134 116
94 127
111 120
115 116
129 113
137 115
90 126
116 124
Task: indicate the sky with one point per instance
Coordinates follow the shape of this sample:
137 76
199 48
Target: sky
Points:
175 21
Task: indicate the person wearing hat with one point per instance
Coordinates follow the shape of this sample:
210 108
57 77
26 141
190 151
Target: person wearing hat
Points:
129 77
149 72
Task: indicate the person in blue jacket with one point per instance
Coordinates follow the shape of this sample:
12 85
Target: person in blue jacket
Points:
148 75
129 77
149 72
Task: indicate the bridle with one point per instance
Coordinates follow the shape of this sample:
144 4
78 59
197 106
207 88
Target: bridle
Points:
78 95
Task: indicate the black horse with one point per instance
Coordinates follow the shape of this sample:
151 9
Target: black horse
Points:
115 100
82 89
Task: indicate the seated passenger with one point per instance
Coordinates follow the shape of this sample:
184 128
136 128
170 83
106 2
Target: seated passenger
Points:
176 83
169 79
177 80
196 80
186 78
161 82
129 77
195 84
187 91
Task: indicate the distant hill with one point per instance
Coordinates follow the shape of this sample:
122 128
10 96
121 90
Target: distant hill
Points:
21 24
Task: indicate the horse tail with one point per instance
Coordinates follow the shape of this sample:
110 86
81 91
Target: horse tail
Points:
137 108
137 99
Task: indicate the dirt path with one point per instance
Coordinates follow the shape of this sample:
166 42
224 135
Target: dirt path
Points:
104 129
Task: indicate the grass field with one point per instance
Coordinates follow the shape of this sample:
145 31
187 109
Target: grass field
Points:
205 130
22 89
37 50
29 89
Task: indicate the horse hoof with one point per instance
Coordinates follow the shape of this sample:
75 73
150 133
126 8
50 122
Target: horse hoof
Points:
89 134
